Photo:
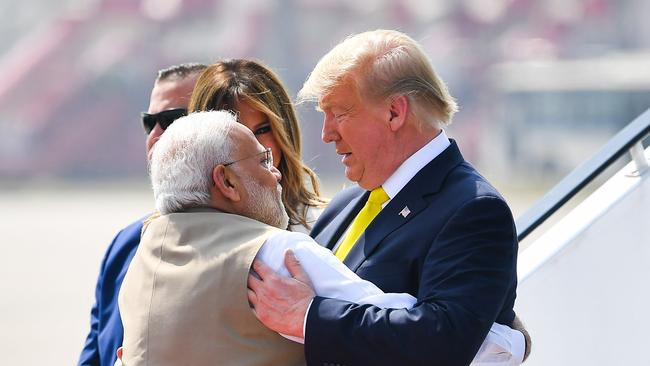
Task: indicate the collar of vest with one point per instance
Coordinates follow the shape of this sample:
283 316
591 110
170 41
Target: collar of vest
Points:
201 209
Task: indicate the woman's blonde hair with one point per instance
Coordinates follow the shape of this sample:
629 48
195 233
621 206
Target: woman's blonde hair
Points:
380 64
225 84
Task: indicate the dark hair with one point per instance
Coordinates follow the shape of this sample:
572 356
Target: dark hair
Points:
180 71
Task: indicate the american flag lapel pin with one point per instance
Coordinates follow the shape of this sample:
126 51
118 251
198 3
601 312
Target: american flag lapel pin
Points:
405 211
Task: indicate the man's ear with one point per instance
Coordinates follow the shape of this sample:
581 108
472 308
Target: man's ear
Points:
226 182
398 111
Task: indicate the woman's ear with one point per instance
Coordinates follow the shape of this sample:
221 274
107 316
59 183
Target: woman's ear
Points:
226 182
398 111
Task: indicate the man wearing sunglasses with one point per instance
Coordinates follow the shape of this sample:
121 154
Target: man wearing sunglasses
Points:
169 100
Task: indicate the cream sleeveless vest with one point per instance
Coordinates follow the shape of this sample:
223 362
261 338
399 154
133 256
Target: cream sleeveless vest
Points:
184 299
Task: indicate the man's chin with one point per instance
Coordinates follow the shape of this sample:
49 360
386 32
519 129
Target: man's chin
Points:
352 175
280 222
284 224
281 219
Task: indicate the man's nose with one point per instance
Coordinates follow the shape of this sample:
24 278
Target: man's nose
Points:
277 173
156 132
329 133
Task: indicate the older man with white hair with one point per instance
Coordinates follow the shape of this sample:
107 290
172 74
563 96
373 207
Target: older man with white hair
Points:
184 299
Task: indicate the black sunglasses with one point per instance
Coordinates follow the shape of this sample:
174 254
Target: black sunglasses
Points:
164 118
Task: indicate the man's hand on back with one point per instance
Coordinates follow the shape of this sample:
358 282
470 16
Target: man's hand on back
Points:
281 303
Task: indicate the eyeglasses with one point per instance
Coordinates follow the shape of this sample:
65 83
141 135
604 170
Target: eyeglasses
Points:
268 158
164 118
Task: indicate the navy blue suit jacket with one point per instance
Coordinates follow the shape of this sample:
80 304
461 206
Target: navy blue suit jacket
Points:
106 331
456 252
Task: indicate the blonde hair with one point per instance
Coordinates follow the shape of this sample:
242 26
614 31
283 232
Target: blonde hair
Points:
225 84
383 63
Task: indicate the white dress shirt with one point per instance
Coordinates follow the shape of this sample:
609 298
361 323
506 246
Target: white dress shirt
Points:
331 278
411 166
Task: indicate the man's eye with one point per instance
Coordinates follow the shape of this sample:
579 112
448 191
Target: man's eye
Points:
339 115
262 130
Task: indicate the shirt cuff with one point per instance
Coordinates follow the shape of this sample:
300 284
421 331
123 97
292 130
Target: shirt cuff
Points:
304 322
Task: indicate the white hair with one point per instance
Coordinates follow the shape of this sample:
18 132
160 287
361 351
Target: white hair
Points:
184 157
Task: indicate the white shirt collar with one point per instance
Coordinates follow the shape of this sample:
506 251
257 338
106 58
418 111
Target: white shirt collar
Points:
411 166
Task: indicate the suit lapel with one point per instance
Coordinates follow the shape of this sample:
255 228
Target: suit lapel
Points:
388 220
330 235
412 199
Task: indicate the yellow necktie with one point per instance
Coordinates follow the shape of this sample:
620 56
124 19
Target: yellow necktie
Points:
377 197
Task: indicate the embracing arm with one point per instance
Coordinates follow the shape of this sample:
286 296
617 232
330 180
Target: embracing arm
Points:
328 275
305 270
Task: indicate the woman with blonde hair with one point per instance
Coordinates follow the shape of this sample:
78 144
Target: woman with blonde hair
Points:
263 105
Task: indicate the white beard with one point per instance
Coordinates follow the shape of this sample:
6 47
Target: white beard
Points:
266 205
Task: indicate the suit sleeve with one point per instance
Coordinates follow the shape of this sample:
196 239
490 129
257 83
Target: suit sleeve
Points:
464 281
90 352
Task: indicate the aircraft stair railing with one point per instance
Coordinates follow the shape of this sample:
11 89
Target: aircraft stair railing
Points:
583 276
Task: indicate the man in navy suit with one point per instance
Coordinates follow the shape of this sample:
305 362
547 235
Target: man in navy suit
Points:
170 97
442 232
